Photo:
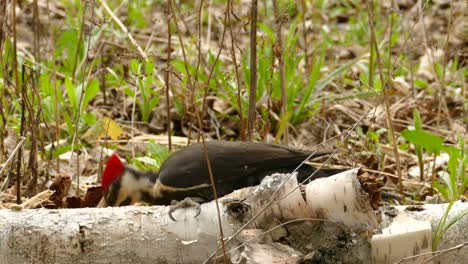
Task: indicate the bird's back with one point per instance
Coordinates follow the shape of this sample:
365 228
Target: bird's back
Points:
241 163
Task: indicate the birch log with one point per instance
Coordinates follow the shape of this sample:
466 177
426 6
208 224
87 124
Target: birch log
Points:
147 235
408 231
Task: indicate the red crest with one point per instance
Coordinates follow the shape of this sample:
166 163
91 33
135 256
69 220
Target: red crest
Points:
114 169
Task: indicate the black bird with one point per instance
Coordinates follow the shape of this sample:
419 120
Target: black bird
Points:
235 165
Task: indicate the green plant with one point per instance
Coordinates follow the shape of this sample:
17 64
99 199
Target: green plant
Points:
418 148
149 98
155 156
454 180
300 90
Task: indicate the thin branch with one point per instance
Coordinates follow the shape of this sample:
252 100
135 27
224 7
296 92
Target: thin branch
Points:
199 60
278 50
304 36
371 56
15 48
84 83
80 40
253 70
10 158
281 225
17 85
124 29
199 36
20 151
191 83
440 83
210 75
197 113
273 196
433 254
236 69
168 75
386 98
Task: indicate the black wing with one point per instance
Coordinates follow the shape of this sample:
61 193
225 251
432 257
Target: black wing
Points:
234 164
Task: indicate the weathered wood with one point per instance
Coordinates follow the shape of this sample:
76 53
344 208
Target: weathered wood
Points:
137 234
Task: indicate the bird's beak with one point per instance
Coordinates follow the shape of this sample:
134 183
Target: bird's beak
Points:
102 203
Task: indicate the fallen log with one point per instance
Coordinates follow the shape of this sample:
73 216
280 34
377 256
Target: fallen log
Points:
408 231
138 234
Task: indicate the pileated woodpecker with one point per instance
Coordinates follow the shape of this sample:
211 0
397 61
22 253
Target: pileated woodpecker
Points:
185 173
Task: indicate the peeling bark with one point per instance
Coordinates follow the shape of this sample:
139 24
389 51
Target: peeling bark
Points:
408 231
146 234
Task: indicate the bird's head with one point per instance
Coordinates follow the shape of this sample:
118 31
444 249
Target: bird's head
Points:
122 185
114 170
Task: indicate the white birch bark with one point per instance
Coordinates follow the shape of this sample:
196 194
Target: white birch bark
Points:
147 235
408 231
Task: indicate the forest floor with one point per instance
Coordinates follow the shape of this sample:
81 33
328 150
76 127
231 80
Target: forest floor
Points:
121 76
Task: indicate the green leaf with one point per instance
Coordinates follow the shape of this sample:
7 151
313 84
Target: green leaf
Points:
268 31
451 188
90 93
69 123
310 87
59 150
421 84
442 190
129 92
157 151
154 102
454 219
282 127
134 66
148 161
418 149
45 84
417 119
89 118
323 83
430 142
70 88
149 67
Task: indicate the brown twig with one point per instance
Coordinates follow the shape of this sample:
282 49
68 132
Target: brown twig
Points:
233 54
37 30
124 29
80 40
281 225
5 75
199 35
253 70
15 49
168 74
433 254
17 87
34 116
190 83
199 60
78 113
440 83
371 55
199 120
8 161
304 37
275 193
386 98
210 75
20 151
80 101
278 51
